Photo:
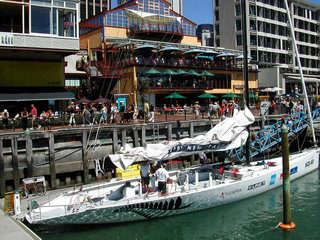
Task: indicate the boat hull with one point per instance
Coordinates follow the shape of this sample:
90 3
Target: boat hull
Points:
262 179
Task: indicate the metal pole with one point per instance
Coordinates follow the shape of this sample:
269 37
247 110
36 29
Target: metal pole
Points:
287 224
245 71
301 73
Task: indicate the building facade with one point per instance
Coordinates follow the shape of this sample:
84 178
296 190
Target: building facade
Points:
35 36
89 8
269 39
145 50
177 6
204 33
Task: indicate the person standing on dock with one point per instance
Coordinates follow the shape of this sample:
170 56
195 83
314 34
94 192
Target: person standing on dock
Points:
24 118
5 119
146 111
34 115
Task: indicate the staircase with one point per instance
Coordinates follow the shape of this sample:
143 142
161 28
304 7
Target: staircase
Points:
270 135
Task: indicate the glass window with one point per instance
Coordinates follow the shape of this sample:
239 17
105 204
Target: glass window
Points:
40 19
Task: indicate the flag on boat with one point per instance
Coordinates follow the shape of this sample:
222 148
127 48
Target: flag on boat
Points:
229 134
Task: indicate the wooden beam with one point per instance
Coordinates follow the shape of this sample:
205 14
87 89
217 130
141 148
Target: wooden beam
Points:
143 136
52 162
123 137
15 162
29 155
85 161
2 178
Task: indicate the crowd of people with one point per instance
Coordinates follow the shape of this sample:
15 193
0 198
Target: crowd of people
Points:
110 113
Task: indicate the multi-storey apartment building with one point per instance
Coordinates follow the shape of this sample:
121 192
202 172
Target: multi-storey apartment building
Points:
269 39
89 8
35 36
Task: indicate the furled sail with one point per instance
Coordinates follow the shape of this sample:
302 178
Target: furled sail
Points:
229 134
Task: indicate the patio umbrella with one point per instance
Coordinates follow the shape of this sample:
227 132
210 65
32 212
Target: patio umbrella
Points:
193 73
102 100
291 95
152 71
145 47
194 51
252 95
207 95
181 72
209 53
169 49
226 54
169 72
273 89
230 95
241 56
83 100
207 74
175 95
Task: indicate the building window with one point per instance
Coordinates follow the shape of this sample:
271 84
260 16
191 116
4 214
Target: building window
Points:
238 10
40 19
238 25
239 40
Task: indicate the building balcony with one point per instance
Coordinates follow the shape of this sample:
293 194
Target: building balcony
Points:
156 32
19 40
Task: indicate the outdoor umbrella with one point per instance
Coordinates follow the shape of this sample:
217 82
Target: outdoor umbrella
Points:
169 49
145 47
175 95
101 100
292 95
209 53
230 95
152 71
252 95
273 89
194 51
207 74
226 54
193 73
169 72
181 72
83 100
207 95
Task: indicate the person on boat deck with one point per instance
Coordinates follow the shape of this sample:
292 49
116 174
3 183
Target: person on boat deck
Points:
162 176
221 171
144 173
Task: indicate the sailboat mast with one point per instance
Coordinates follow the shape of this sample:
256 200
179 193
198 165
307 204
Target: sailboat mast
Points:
300 71
245 71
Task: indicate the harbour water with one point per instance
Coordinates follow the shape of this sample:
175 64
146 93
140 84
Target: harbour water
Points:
253 218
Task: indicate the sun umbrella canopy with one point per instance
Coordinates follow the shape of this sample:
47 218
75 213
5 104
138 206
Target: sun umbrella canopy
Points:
209 53
207 74
273 89
226 54
241 56
181 72
193 73
292 95
169 49
230 95
194 51
175 95
145 47
101 100
152 71
169 72
207 95
252 95
83 100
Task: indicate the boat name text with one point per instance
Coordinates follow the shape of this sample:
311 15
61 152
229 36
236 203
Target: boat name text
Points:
256 185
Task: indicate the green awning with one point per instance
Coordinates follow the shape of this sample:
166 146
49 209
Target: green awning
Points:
175 95
152 71
207 95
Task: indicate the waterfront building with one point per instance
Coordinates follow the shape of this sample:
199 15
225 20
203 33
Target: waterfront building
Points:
270 42
177 6
204 33
143 50
35 36
89 8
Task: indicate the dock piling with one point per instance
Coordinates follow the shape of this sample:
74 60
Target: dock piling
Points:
52 162
2 177
15 162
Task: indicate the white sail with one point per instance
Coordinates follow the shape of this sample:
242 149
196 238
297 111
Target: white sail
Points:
228 134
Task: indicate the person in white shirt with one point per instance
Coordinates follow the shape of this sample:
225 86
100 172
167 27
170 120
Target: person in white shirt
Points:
144 173
162 175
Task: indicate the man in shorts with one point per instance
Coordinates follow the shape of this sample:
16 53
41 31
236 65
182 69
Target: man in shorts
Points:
144 173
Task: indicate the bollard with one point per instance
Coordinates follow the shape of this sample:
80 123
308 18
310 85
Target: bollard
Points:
287 224
17 203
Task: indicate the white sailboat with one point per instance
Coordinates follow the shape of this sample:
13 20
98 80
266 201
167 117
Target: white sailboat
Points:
190 190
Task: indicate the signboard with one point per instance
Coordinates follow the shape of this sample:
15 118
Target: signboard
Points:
8 202
6 39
